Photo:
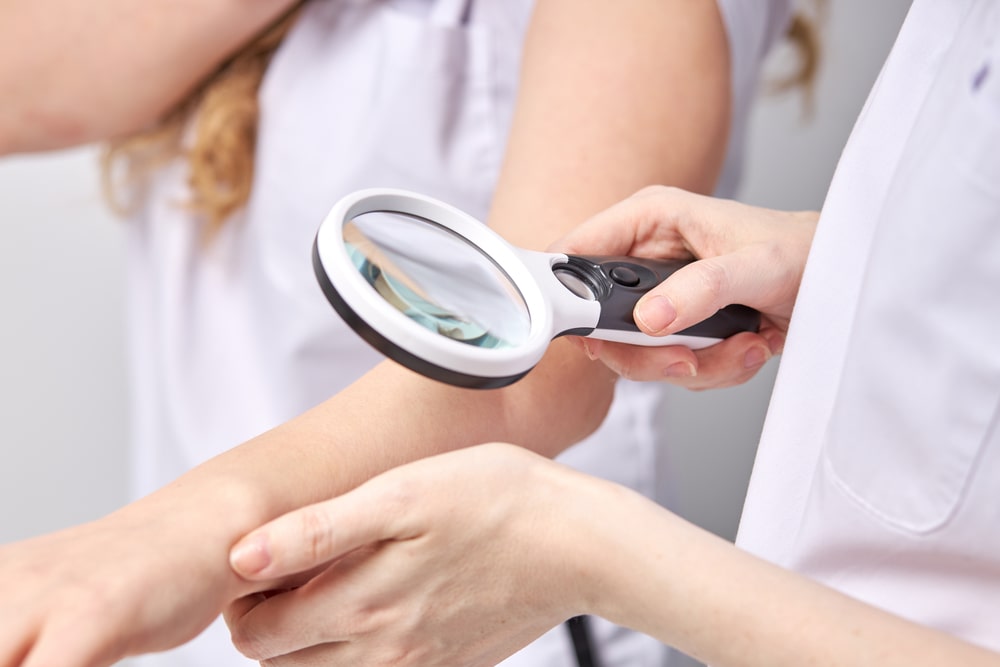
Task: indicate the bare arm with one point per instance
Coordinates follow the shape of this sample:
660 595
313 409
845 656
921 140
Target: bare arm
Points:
615 96
75 72
610 101
566 161
531 543
700 593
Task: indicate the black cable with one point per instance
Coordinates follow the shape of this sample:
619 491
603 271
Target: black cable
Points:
583 643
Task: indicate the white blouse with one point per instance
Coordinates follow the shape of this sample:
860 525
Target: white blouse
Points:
229 340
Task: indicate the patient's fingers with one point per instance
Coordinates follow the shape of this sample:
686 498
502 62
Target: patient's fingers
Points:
725 364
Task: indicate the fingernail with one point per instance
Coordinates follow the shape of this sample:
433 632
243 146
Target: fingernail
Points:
655 313
681 369
756 356
591 348
775 343
250 555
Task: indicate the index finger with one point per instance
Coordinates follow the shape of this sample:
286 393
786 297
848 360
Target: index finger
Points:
316 534
644 224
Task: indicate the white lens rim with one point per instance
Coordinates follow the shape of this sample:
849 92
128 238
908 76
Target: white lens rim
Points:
398 330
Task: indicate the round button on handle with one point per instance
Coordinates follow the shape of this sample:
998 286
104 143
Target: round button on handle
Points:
624 276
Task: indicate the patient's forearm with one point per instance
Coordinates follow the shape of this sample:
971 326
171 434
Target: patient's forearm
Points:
389 417
574 148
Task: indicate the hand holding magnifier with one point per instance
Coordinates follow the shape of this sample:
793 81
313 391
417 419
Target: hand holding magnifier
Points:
439 292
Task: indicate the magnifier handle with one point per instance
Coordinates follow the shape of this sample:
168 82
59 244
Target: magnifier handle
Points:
618 283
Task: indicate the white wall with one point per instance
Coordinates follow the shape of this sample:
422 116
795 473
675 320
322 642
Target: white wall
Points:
62 393
62 382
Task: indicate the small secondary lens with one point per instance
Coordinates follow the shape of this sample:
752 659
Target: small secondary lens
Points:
575 283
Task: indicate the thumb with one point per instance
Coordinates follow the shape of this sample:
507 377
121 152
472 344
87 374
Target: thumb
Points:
312 536
696 292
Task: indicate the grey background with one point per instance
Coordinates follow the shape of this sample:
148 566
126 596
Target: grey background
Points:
63 398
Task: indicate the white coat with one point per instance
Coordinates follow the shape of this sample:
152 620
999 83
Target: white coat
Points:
878 471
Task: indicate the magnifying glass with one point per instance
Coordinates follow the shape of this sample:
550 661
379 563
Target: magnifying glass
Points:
439 292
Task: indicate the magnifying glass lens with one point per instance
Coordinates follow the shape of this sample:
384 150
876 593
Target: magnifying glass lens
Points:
437 279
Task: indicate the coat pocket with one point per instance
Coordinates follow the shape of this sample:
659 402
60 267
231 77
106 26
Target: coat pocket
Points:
921 387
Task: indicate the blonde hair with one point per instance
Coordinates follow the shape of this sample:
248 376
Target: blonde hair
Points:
803 35
221 115
224 109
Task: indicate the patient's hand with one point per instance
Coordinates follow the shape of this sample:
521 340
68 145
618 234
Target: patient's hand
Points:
143 579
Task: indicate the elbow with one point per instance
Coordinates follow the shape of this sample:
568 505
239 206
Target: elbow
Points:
42 128
37 125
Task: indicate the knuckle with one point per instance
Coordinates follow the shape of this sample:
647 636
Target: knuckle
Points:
625 367
316 533
651 190
402 494
714 280
247 641
398 502
785 271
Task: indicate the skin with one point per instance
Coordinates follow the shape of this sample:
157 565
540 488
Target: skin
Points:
465 557
768 248
63 79
83 597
